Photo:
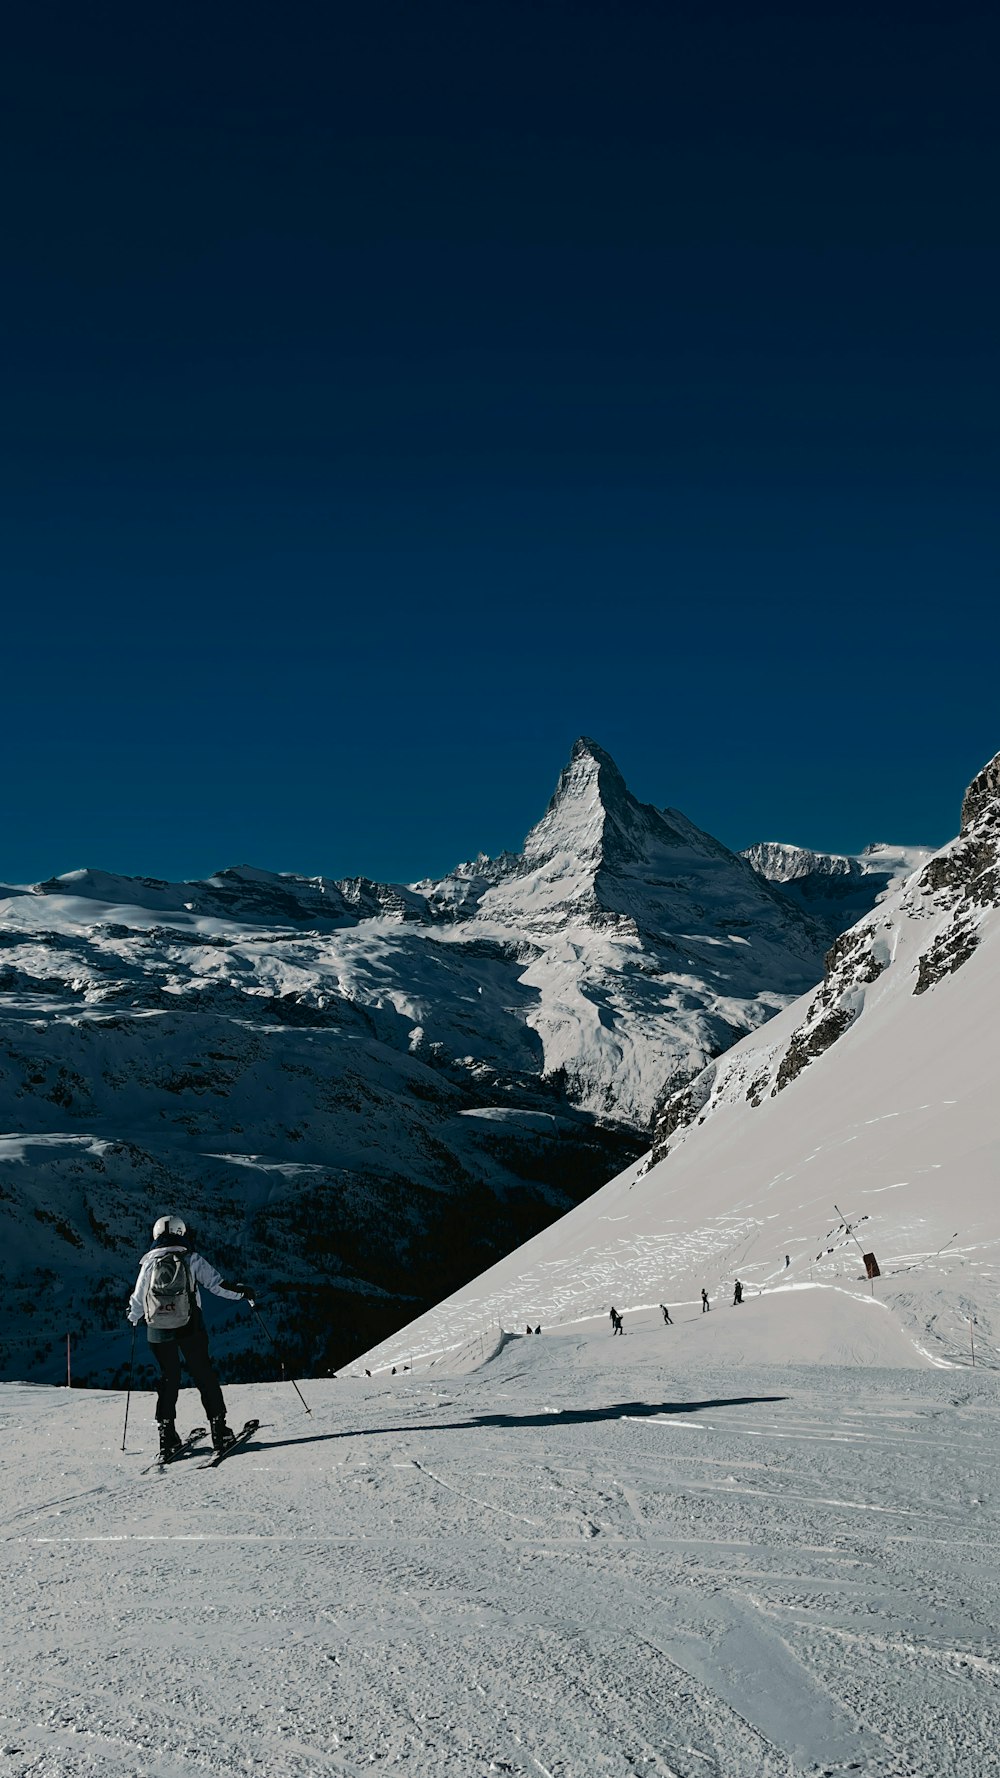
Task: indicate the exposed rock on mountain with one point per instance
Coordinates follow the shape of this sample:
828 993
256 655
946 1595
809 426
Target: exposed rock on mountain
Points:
925 931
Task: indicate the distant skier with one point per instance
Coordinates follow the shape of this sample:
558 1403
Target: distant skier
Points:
666 1315
737 1294
705 1304
167 1297
527 1330
616 1322
538 1328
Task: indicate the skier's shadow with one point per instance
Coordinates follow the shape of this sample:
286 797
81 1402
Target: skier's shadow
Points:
622 1410
278 1444
625 1410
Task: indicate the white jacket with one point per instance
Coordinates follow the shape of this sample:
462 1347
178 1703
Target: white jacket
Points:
201 1272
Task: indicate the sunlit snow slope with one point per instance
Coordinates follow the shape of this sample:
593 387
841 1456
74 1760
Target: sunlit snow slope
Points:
874 1100
591 1557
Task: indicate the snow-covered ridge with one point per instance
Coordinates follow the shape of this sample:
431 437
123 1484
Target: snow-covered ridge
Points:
783 863
836 888
927 929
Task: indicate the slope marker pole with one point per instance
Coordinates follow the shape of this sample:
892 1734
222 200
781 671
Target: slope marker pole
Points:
854 1238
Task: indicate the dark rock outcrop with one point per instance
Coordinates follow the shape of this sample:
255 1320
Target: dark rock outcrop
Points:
982 795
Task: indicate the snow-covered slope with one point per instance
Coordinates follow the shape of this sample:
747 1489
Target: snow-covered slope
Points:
874 1096
362 1091
593 1557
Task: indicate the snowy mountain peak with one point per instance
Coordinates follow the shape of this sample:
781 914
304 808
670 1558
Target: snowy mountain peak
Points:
593 815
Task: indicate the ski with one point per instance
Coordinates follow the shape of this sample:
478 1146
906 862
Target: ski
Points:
184 1449
242 1437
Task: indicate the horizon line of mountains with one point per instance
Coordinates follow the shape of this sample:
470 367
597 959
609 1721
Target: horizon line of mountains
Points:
822 883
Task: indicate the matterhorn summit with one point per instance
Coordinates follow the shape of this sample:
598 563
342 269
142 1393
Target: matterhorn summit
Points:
594 818
600 856
595 853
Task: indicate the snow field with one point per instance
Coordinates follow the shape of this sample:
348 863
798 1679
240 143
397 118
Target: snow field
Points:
592 1556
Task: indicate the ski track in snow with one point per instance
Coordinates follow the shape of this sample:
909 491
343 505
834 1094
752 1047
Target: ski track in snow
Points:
538 1571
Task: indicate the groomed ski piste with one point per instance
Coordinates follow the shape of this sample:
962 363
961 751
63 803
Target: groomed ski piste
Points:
697 1551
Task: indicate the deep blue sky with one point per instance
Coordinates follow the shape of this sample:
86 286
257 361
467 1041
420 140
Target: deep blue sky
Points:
393 392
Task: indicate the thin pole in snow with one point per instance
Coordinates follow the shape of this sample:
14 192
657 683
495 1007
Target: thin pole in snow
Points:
854 1238
128 1398
281 1361
69 1374
850 1230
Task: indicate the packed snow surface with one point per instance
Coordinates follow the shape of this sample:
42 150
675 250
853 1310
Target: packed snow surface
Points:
589 1556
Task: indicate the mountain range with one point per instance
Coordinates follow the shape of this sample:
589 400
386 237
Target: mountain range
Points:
361 1092
861 1120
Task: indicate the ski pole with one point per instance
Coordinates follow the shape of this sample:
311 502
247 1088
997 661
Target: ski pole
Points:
128 1397
281 1361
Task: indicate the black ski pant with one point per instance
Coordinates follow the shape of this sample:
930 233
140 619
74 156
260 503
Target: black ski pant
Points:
193 1345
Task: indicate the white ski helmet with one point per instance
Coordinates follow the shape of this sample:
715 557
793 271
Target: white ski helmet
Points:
169 1225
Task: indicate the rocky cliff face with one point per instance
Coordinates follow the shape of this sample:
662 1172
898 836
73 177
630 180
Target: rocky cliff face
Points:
360 1092
915 938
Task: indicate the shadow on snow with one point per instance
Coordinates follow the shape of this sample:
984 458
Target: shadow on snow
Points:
623 1410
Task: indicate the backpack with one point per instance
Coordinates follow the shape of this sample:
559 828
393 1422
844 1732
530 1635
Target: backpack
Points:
170 1300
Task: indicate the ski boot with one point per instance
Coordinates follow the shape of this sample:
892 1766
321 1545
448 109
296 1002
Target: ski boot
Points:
169 1441
222 1435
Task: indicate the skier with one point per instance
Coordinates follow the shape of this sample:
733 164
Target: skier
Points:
616 1321
666 1315
737 1295
705 1304
167 1298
